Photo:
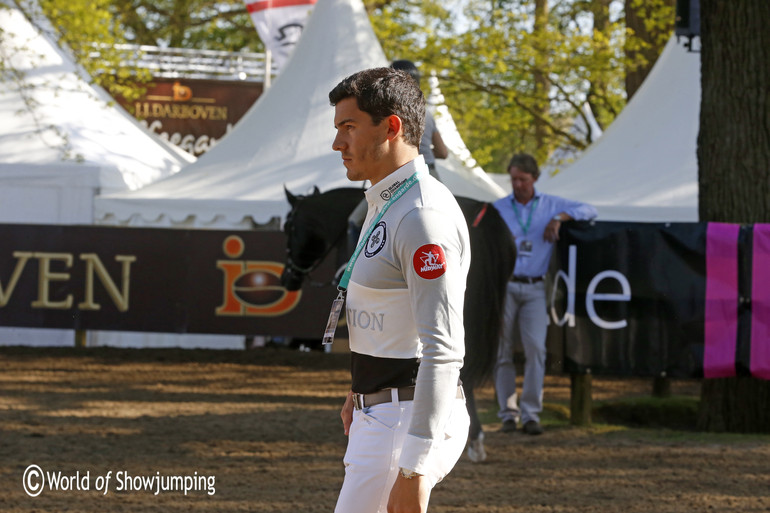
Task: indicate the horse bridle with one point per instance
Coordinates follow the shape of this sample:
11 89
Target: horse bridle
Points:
304 271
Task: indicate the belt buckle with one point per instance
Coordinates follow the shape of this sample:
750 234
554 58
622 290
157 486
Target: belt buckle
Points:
358 401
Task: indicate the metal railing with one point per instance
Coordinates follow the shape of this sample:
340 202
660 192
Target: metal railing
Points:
195 64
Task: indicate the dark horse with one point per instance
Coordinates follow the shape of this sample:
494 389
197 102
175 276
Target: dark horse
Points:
317 226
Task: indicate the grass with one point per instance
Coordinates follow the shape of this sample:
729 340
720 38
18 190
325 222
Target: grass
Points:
628 407
668 420
676 412
670 413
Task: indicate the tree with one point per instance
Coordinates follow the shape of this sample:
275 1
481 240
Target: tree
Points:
734 168
541 104
650 22
82 25
517 73
199 24
78 25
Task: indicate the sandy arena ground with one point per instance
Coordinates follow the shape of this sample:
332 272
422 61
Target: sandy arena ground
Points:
265 424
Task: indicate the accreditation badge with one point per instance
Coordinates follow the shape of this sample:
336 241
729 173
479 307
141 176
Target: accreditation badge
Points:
334 317
525 248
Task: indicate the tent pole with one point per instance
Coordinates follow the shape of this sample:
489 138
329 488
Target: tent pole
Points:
268 66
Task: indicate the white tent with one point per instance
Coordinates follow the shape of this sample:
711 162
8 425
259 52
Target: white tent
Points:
61 142
285 138
51 117
644 167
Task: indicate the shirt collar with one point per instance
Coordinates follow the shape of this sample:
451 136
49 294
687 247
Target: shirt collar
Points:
381 192
536 196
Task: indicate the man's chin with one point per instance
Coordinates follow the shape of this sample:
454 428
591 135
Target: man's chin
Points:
354 176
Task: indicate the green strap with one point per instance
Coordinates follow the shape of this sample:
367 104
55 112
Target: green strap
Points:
400 192
525 228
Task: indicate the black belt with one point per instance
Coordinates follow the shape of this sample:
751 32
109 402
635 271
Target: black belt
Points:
361 401
526 279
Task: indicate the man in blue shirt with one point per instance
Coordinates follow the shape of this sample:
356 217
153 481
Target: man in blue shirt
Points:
534 219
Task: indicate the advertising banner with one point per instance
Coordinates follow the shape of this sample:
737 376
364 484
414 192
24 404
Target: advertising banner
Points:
155 280
626 299
662 299
193 113
630 297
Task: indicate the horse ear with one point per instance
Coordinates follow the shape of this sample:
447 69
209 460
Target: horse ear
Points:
316 190
289 196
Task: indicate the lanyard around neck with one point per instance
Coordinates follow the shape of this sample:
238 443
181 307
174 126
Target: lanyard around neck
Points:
400 192
524 227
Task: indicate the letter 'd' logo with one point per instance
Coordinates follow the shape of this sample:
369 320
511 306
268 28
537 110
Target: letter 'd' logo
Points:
253 288
182 93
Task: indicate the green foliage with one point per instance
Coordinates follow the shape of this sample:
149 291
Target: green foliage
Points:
200 24
491 57
680 412
512 83
658 17
91 27
82 26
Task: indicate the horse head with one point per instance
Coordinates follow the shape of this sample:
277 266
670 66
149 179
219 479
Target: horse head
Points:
315 225
305 243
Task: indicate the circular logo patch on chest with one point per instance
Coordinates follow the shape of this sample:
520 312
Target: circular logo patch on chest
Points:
429 261
376 240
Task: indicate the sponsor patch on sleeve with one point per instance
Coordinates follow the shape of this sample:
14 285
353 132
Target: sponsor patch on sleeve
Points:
429 261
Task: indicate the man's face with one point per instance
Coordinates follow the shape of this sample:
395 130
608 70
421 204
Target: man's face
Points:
523 184
361 143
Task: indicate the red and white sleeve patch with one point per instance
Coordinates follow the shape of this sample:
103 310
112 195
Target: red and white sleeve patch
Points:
429 261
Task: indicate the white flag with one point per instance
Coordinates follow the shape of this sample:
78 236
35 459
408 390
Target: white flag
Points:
279 24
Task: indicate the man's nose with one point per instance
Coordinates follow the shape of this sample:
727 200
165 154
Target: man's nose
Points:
337 143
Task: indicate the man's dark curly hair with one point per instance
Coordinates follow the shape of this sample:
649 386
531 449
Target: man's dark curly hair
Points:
381 92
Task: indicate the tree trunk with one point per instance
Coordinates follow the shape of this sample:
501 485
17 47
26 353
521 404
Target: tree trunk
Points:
734 168
654 36
735 405
541 81
597 92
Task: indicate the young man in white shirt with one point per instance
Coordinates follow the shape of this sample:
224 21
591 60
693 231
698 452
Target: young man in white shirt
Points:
405 415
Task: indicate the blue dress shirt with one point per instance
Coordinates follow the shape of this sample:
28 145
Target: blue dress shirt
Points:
527 224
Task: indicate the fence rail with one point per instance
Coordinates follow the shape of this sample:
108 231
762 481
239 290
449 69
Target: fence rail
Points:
195 64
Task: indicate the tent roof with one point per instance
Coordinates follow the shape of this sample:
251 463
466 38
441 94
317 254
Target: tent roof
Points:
52 114
644 167
284 139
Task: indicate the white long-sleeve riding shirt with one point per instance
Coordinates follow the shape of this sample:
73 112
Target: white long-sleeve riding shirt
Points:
405 303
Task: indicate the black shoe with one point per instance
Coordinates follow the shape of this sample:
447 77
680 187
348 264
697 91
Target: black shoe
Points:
531 427
509 426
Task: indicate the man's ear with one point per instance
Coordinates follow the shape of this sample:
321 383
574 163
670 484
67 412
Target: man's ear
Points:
395 126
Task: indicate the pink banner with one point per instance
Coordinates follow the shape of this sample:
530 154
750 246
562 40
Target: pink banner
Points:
760 303
721 326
